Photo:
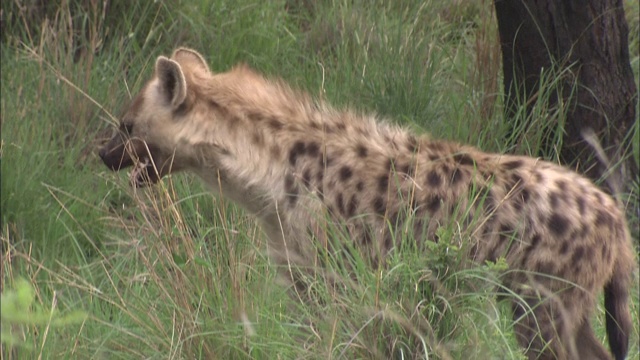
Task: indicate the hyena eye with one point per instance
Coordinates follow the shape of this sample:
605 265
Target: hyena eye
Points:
126 128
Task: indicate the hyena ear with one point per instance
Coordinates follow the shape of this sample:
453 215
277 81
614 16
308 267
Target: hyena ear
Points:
190 58
172 81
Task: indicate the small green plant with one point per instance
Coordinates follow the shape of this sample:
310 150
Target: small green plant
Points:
18 309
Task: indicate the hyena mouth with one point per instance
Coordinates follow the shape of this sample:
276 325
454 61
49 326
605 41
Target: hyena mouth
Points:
144 173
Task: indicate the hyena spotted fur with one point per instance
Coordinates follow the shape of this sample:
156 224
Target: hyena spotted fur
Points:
288 159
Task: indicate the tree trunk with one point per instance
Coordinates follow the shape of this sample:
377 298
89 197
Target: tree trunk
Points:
586 41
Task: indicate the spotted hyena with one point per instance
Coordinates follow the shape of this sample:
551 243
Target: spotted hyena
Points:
288 159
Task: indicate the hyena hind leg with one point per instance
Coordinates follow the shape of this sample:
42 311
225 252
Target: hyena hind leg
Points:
548 334
543 335
588 346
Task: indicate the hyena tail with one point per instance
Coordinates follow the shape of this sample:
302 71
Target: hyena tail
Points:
616 303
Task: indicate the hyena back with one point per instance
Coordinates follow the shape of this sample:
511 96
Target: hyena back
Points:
288 158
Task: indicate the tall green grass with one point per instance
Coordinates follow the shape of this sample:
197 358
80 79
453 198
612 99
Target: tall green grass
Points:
171 271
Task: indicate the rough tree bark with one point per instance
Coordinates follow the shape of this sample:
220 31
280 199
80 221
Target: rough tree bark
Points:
588 39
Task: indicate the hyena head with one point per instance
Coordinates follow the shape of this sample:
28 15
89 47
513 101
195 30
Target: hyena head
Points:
148 134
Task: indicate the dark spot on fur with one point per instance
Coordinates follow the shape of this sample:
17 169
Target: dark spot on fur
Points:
405 169
605 251
330 210
434 203
578 254
558 224
603 218
360 186
320 176
564 248
492 255
585 229
464 159
433 179
564 197
436 146
562 185
515 182
490 203
319 184
581 204
345 173
535 240
434 157
598 197
545 267
487 227
313 149
457 176
391 165
275 124
275 151
383 183
521 199
393 217
353 206
412 144
306 177
473 251
388 241
379 206
590 252
366 237
391 141
411 171
538 177
517 204
341 126
553 199
251 115
340 203
506 233
291 189
297 150
289 182
506 238
512 164
256 138
362 151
